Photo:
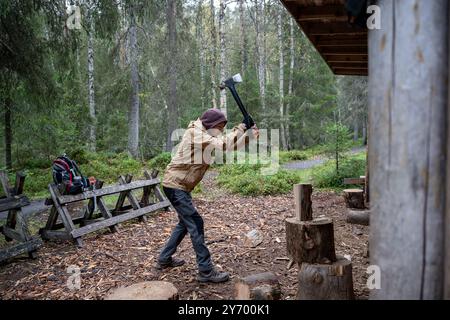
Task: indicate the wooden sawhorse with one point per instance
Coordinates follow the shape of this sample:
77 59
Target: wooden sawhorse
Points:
109 219
16 227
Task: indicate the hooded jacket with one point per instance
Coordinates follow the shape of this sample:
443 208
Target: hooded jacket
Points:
194 154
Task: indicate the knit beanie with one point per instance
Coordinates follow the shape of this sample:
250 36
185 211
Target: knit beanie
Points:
212 118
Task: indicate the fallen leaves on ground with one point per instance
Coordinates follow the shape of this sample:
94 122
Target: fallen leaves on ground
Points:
110 260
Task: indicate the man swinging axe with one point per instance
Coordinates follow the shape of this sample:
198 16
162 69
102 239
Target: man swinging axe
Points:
186 170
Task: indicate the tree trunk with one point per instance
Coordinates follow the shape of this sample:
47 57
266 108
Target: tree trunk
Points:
91 91
408 68
310 241
244 50
133 116
281 86
355 129
201 44
172 71
223 75
8 132
364 133
326 281
213 53
361 217
291 81
261 53
354 198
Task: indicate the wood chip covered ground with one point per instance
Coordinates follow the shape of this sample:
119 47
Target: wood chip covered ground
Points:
112 260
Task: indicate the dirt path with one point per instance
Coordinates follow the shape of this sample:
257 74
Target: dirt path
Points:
111 260
307 164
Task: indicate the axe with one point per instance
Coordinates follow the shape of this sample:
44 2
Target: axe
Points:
230 84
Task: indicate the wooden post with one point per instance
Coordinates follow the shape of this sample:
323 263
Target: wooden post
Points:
447 213
303 203
408 68
367 180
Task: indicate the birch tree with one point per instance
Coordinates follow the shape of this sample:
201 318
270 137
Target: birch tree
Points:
243 34
172 71
201 45
91 78
281 86
291 79
223 93
213 53
260 50
133 115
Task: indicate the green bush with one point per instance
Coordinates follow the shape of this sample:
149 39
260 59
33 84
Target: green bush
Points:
247 180
160 161
292 155
326 177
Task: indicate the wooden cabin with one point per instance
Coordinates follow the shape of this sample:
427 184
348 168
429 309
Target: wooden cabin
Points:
406 61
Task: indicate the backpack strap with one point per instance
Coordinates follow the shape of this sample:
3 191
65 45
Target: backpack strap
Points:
60 161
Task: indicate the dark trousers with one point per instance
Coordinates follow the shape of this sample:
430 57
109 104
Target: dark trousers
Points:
189 221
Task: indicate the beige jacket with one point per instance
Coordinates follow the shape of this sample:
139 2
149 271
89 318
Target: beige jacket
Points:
195 152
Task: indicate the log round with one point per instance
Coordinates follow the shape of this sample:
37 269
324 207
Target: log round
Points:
354 198
310 241
151 290
361 217
326 281
262 286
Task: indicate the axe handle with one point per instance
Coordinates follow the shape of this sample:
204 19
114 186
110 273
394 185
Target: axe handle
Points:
247 118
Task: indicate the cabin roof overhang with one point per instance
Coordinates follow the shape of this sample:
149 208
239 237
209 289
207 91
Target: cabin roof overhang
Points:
325 23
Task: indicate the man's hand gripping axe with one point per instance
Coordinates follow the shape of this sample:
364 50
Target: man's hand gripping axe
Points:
230 84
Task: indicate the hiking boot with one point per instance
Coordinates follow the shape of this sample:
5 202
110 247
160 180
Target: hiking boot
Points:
213 276
172 263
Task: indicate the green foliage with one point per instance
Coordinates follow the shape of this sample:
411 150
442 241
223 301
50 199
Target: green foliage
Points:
292 155
248 180
161 161
104 166
338 141
326 176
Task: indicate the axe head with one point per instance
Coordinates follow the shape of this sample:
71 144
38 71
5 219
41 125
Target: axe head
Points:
231 81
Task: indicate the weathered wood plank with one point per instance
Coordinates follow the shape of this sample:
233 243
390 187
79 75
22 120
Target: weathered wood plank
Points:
408 70
106 214
106 191
157 190
13 203
91 207
118 219
64 214
4 180
20 182
356 181
21 248
132 199
55 234
123 195
11 233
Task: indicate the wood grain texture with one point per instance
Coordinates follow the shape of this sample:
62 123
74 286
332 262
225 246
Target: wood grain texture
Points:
408 103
